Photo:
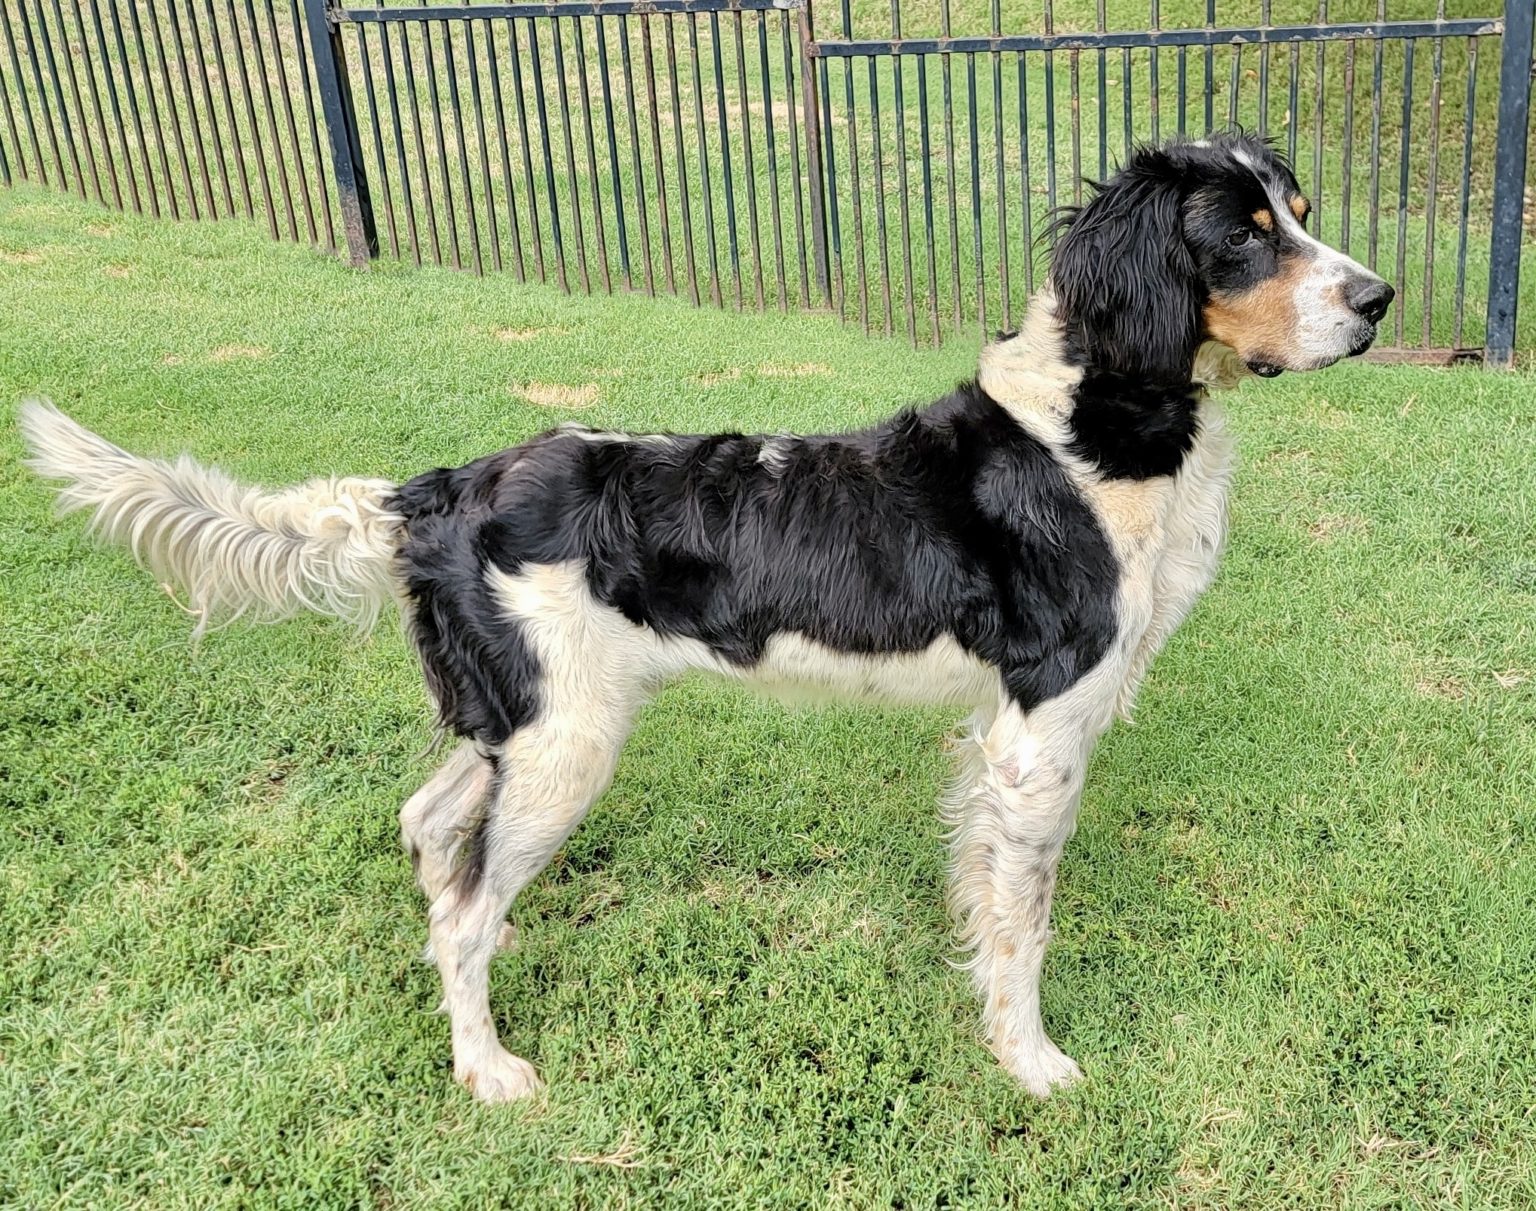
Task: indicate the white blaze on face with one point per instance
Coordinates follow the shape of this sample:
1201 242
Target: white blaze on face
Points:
1327 327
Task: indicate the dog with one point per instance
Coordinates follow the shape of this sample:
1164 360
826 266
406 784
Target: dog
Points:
1021 548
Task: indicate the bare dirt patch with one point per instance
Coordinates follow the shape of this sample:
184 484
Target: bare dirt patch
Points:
558 395
1447 689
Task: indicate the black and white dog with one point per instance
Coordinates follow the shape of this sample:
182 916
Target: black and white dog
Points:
1022 547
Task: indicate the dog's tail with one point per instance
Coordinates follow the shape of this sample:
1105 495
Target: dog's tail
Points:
326 546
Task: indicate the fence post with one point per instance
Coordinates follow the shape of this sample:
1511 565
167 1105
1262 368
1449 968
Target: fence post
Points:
341 126
811 126
1509 182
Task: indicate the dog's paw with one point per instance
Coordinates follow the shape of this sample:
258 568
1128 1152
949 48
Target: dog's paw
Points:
499 1076
1041 1068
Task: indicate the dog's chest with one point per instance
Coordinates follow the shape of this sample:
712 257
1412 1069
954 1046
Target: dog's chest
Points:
1168 532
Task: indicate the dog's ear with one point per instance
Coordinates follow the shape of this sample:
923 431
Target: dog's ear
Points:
1124 280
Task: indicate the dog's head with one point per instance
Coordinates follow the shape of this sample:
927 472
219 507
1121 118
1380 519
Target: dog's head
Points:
1204 240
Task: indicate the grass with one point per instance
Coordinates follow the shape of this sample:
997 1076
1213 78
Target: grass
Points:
1295 934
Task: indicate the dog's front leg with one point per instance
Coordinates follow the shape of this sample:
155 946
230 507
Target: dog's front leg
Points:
1013 806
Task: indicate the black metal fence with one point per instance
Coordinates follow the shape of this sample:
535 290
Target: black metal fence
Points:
898 172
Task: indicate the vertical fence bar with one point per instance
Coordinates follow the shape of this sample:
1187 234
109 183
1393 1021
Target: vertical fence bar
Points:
42 98
309 118
341 126
880 220
794 157
925 153
378 141
904 193
397 127
172 109
1509 182
133 110
444 179
192 119
997 148
1317 127
154 111
1405 141
834 212
1210 69
271 114
1050 116
635 167
285 95
473 56
67 121
659 167
235 148
1373 222
450 69
684 202
1102 82
812 130
613 154
1154 85
1431 193
535 229
101 121
1029 240
716 293
514 220
773 159
412 95
1264 20
26 110
196 37
549 160
979 266
949 168
751 161
1349 144
725 158
592 175
1466 196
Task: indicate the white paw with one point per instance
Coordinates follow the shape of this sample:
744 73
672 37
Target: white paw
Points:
1041 1068
498 1076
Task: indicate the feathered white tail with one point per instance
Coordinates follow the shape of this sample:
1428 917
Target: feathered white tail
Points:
325 546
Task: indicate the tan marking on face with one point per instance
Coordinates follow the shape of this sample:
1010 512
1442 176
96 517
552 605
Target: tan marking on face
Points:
1299 207
1264 219
1260 322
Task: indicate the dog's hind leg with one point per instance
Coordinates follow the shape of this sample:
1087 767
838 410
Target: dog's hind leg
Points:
437 819
548 776
1013 807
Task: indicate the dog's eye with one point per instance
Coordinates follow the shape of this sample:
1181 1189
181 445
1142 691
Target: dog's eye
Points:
1239 236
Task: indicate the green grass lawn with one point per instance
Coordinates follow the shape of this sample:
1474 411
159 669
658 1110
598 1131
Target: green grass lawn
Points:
1295 934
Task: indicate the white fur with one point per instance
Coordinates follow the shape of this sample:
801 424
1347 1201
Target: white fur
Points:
326 546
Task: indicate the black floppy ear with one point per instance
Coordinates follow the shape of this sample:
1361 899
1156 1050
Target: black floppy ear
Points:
1124 280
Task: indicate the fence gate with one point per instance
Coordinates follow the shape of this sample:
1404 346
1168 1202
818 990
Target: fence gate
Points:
898 171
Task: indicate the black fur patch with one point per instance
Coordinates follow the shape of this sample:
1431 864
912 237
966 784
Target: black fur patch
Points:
951 521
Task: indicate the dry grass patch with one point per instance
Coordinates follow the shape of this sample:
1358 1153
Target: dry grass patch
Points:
558 395
118 271
1335 525
27 257
769 370
235 352
516 336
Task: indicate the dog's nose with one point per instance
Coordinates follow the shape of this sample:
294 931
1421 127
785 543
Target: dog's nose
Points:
1370 297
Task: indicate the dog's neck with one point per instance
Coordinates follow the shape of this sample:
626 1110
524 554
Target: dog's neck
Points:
1126 426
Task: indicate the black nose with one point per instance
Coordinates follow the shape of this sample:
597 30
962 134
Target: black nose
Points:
1370 298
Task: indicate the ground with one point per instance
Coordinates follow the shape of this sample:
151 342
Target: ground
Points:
1295 934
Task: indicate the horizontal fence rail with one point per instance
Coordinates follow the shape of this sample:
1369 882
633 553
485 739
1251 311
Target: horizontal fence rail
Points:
899 169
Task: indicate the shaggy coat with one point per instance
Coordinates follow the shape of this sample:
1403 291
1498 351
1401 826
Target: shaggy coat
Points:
1022 548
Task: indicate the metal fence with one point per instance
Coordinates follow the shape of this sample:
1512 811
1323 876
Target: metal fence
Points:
899 171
